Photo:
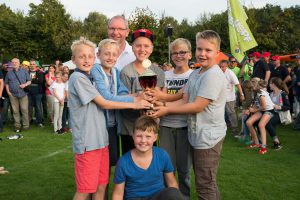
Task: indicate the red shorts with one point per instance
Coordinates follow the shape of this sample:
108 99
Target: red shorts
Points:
91 170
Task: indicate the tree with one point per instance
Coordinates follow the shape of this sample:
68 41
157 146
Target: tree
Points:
12 31
95 27
49 26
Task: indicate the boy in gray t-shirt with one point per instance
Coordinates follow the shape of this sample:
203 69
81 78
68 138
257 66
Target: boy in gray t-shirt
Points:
204 100
89 134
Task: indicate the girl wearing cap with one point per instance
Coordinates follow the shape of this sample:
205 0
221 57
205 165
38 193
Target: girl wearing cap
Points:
142 47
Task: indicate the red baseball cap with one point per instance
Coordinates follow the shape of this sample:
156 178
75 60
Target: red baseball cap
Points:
256 54
266 54
142 33
275 57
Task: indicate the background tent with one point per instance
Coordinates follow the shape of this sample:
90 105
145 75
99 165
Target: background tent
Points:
222 56
70 64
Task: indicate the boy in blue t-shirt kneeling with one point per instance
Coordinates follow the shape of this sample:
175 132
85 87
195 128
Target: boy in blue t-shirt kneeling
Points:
144 172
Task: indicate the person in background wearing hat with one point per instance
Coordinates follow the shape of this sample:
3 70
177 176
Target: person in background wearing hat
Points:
36 93
267 56
260 69
15 82
25 65
142 47
279 71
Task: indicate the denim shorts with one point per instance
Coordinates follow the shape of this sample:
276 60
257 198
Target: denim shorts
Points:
268 112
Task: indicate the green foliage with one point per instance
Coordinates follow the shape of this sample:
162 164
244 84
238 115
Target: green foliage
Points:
95 27
50 29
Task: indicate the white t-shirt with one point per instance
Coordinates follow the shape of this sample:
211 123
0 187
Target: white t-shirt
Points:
60 90
269 102
173 83
232 81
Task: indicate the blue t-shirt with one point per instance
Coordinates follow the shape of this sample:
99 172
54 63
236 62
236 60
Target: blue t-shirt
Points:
143 182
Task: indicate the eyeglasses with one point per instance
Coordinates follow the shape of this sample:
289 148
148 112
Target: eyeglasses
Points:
117 29
180 53
233 61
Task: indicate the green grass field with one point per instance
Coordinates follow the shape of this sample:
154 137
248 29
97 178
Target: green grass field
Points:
41 167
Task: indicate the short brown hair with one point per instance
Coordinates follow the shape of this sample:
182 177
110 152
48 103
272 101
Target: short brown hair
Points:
145 123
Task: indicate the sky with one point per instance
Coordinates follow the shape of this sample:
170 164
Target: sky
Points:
179 9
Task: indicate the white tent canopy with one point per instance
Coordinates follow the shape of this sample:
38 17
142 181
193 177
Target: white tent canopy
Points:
70 64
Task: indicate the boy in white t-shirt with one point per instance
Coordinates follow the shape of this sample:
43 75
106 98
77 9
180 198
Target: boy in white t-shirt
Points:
173 128
59 93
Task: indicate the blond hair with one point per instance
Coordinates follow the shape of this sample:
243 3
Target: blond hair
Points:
82 41
105 43
211 36
180 41
145 123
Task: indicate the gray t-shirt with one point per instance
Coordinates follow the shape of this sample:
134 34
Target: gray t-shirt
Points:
130 78
207 128
87 119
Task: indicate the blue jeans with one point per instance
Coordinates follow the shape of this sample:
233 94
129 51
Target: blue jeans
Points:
35 100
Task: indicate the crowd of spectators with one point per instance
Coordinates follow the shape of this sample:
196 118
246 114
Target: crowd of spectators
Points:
28 94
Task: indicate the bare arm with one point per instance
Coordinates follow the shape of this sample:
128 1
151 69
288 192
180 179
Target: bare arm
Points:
287 79
25 84
242 97
197 106
163 95
118 191
105 104
170 180
268 74
263 104
49 80
7 90
1 87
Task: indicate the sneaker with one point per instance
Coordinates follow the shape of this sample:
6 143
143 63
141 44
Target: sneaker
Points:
18 130
59 132
64 130
262 151
276 146
251 146
41 125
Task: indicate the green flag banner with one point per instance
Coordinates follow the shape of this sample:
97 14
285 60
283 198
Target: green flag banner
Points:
240 36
